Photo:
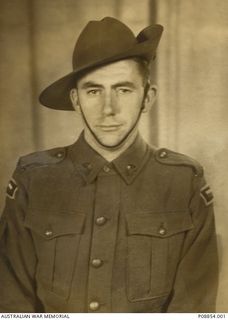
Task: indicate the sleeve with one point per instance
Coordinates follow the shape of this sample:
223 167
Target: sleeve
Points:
196 282
17 252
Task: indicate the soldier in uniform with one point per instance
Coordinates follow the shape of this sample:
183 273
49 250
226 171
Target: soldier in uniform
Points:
108 224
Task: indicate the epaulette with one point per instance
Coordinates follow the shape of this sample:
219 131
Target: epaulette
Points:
168 157
42 158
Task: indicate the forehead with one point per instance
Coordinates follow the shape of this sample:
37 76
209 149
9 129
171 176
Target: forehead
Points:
127 69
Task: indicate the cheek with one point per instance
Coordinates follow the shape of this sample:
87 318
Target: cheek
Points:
134 100
89 107
90 115
131 107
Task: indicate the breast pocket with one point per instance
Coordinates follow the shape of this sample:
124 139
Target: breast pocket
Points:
154 242
56 238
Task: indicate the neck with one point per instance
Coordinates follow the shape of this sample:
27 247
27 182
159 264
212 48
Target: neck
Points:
110 153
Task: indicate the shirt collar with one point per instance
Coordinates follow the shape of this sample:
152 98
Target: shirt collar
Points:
89 163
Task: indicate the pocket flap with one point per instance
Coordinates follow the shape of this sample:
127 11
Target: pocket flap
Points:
53 225
158 224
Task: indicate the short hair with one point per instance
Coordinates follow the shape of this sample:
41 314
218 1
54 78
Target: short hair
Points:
144 69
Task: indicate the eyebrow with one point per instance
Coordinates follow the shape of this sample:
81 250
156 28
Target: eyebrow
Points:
91 84
124 84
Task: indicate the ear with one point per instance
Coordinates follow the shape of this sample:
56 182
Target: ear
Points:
74 99
150 97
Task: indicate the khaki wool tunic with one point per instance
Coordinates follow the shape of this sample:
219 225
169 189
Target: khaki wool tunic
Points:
79 234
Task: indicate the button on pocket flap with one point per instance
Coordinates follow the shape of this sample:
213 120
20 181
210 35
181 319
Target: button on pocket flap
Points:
55 225
158 224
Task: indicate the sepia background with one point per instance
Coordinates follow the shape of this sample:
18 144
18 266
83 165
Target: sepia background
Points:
191 116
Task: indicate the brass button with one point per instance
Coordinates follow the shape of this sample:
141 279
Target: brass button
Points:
162 231
106 169
100 221
88 165
96 263
163 154
94 306
130 166
48 233
59 154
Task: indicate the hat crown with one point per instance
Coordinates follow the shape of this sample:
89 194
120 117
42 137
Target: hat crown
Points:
104 38
100 43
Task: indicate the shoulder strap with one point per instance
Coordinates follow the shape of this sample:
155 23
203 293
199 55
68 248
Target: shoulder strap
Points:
168 157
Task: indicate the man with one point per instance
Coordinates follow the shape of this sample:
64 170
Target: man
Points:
108 224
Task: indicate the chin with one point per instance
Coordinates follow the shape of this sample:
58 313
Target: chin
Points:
109 144
110 141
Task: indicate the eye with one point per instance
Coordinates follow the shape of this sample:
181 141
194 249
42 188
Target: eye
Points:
93 92
124 90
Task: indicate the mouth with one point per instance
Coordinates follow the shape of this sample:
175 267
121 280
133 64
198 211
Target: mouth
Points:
110 127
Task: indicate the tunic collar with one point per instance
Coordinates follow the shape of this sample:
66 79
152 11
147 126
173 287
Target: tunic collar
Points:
89 163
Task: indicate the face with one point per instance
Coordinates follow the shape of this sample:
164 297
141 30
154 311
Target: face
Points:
111 99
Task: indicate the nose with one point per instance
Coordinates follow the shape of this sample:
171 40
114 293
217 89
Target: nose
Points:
109 104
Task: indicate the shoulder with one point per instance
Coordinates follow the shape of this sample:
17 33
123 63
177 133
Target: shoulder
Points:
42 158
171 158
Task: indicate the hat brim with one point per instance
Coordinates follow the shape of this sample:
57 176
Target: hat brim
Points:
57 95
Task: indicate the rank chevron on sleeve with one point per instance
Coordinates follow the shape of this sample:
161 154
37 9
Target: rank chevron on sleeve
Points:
206 194
11 189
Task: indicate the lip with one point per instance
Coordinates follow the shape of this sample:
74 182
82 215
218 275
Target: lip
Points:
110 127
